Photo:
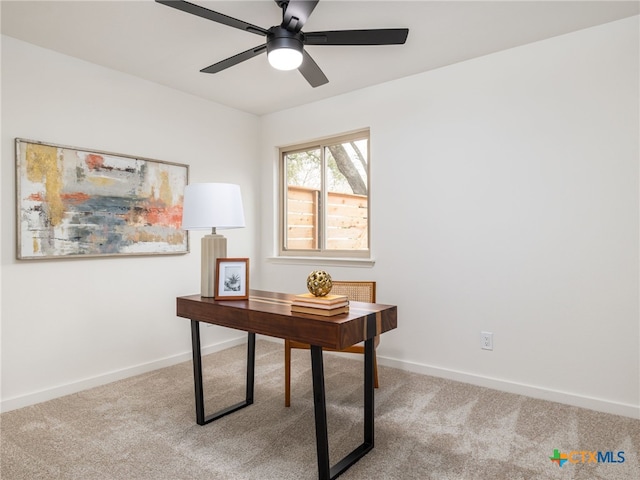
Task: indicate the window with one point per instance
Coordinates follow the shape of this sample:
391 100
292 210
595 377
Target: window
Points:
325 197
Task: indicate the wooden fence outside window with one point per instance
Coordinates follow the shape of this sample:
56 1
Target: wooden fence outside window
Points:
347 220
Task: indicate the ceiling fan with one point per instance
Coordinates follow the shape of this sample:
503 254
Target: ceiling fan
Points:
285 42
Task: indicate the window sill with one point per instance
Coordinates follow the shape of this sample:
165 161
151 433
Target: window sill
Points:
324 261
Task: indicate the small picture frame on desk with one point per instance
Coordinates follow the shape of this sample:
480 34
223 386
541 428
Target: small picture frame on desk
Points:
232 279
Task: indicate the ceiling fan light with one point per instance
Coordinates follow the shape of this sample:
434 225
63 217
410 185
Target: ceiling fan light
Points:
285 58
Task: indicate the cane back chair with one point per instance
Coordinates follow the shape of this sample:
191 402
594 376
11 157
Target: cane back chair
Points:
356 291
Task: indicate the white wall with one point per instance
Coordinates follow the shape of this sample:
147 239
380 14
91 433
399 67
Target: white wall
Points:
69 324
504 198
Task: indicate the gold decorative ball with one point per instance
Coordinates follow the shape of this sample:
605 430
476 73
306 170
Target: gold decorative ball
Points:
319 283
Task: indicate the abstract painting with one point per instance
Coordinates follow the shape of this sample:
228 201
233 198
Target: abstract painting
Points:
80 203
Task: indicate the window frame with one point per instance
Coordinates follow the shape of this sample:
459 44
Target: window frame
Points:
322 251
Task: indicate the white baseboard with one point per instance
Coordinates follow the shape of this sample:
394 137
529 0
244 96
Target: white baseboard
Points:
67 389
567 398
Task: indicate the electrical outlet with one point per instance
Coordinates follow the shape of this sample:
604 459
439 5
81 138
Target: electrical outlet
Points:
486 340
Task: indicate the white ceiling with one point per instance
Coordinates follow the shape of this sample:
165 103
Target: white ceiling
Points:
169 47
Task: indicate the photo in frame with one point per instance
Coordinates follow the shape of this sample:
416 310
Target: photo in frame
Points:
232 279
74 202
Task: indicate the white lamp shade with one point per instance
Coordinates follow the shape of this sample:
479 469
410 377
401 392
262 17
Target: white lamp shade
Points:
212 205
285 58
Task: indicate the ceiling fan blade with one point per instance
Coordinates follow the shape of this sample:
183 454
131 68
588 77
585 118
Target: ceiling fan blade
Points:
311 71
236 59
215 16
297 13
382 36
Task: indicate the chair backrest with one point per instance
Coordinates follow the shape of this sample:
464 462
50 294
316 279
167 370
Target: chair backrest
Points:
355 291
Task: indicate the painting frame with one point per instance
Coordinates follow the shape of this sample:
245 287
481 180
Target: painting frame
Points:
226 269
74 202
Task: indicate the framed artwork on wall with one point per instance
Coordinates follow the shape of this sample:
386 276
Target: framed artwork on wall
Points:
74 202
232 279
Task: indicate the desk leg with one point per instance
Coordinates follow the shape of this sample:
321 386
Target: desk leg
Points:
201 419
369 383
325 472
320 407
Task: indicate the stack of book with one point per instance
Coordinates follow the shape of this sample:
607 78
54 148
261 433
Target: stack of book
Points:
326 306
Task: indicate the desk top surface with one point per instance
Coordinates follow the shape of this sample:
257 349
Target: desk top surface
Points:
269 313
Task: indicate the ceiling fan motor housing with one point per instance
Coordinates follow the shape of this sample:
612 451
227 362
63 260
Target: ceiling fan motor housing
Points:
279 37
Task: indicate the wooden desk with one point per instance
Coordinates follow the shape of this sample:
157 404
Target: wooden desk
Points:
269 313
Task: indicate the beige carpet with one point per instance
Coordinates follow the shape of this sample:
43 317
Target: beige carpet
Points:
143 428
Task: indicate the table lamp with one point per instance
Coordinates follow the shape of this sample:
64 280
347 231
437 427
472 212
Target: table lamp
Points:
212 206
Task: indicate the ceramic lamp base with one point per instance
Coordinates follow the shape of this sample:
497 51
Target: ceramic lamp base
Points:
213 246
